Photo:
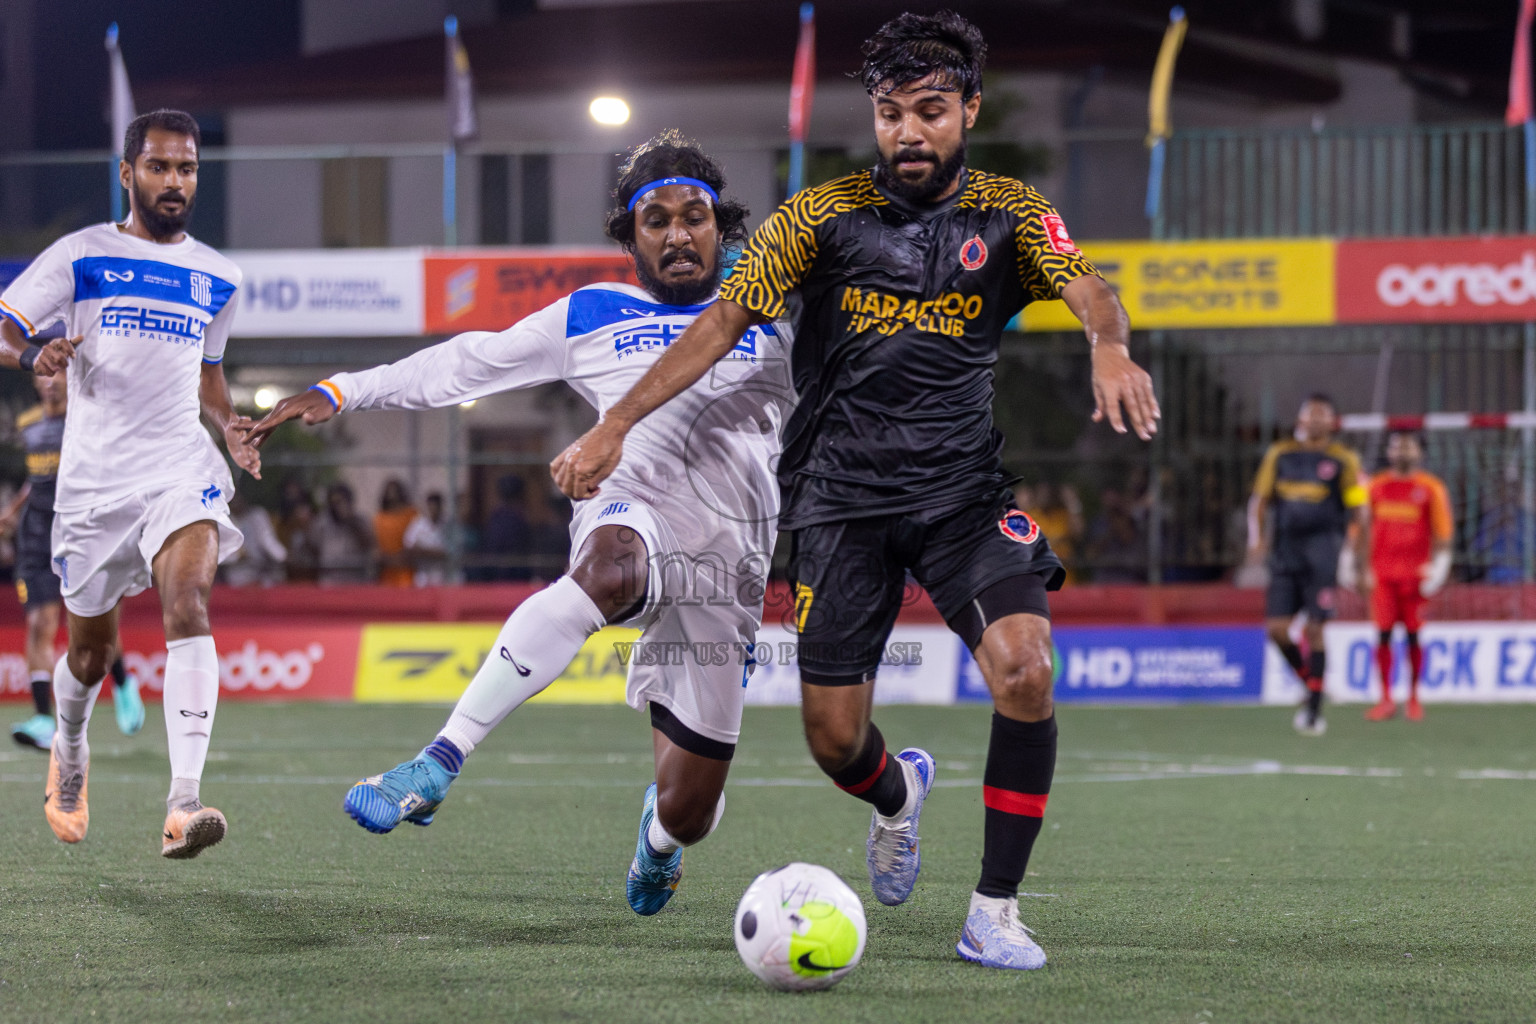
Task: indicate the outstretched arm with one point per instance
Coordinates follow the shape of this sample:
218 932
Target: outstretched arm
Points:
594 455
465 367
1117 380
219 410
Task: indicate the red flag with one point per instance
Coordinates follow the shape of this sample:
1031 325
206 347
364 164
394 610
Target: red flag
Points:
802 86
1519 109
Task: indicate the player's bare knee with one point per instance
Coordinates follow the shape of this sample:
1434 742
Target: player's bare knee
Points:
1025 684
611 570
683 815
88 662
834 743
185 614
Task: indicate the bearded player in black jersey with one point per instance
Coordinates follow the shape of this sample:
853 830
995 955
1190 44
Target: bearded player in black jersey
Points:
904 278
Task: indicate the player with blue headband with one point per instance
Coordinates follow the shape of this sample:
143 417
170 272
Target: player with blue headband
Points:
677 545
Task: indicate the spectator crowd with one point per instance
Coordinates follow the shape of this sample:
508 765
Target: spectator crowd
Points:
321 536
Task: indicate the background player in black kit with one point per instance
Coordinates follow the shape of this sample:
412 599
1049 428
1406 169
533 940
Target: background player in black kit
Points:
31 517
1307 493
906 276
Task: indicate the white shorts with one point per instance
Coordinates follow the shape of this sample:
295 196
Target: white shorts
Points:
105 554
698 625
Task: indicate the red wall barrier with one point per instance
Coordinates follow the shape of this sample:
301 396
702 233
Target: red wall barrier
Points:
299 607
302 641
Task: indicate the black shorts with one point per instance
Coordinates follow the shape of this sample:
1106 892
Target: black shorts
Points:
36 584
1303 572
983 561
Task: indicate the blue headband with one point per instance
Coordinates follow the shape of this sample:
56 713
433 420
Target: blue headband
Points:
659 182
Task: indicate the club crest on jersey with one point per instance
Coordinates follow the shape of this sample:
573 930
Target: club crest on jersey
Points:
973 253
1056 234
1019 526
1327 470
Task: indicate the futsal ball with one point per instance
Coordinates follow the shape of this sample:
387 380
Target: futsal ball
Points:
800 927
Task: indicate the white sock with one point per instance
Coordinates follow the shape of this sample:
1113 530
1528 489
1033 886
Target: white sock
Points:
663 842
191 697
914 787
72 704
539 640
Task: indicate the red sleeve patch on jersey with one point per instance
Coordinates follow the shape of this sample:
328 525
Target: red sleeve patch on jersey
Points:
1056 232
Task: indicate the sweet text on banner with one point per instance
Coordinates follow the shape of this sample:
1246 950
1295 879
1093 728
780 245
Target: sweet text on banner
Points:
1419 280
490 291
404 663
308 293
1209 283
1145 664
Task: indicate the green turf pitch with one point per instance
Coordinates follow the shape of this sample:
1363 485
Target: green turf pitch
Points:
1198 865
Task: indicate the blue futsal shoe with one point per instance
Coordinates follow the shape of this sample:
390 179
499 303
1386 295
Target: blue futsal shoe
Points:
993 936
36 731
892 850
128 706
409 792
652 879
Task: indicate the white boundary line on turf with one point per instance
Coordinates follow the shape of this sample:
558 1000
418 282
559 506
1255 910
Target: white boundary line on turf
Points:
1149 773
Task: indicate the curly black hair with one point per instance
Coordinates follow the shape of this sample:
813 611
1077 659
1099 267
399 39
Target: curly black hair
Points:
670 155
177 122
943 47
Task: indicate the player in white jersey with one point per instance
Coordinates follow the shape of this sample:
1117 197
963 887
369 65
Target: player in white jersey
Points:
143 491
678 543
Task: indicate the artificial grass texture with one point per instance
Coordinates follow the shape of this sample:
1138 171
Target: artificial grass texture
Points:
1197 865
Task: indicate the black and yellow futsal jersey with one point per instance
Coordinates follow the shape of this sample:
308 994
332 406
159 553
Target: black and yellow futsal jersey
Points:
898 309
1310 490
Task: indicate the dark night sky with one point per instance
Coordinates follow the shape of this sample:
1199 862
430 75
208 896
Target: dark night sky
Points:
159 41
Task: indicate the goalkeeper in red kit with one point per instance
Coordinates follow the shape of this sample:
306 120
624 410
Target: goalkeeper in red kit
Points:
1409 529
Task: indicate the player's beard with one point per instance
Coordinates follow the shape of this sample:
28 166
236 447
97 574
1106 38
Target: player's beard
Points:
928 189
161 225
684 293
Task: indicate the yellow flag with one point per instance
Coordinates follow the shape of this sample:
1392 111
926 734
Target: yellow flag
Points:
1158 126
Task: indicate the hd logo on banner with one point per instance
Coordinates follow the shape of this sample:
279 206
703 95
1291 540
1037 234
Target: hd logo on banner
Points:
1145 664
331 293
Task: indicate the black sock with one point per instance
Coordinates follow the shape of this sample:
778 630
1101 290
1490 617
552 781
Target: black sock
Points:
42 692
119 674
1317 665
1292 655
1020 762
1314 702
873 777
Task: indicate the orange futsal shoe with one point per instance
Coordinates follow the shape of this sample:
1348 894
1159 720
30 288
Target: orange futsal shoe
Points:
1415 710
64 797
1383 711
190 830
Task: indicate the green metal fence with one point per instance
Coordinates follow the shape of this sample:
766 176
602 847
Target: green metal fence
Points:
1409 180
1172 510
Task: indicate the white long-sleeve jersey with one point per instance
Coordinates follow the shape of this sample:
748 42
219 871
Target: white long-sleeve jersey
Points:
706 459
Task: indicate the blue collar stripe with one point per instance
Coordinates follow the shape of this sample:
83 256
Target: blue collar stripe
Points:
661 182
103 277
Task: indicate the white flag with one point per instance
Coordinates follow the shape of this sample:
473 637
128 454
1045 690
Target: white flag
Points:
122 95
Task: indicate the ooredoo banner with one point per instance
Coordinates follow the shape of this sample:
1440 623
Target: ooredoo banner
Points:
255 663
1454 280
